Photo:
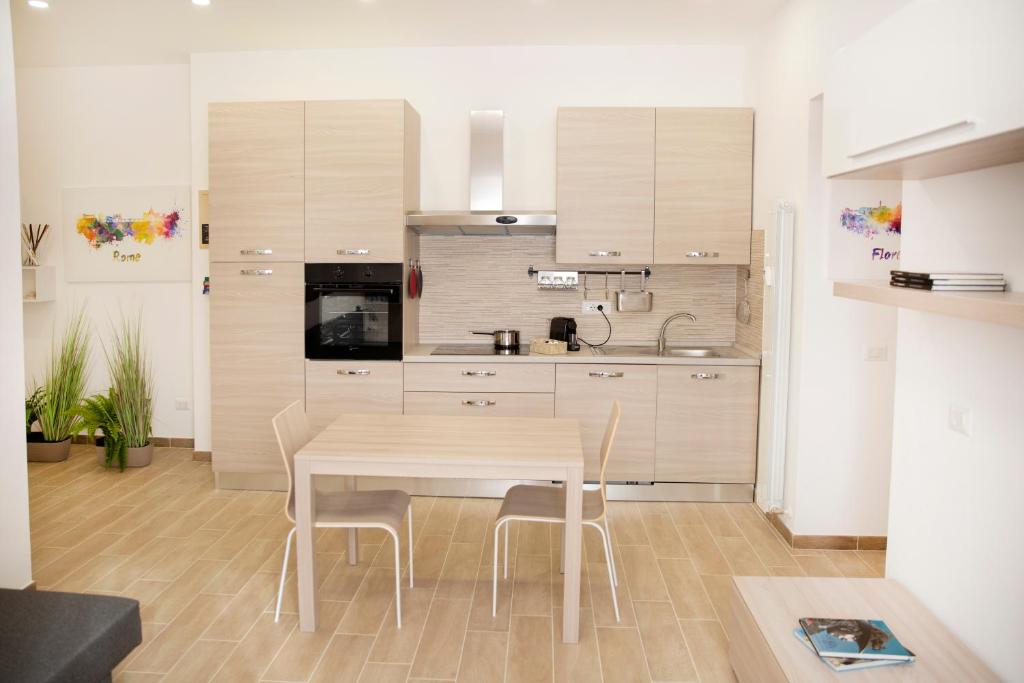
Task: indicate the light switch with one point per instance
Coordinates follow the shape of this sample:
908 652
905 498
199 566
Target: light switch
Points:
960 419
181 404
876 353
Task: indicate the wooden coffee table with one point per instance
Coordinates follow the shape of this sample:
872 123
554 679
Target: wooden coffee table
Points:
764 611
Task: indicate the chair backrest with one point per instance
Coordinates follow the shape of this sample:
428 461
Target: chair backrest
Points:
292 430
606 446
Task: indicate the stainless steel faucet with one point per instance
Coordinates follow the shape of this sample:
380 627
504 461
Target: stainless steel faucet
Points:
664 325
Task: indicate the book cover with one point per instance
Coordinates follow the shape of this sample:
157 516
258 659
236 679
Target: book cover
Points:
840 664
915 284
854 638
946 276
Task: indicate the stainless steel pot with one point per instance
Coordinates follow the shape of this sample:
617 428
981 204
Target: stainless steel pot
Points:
503 339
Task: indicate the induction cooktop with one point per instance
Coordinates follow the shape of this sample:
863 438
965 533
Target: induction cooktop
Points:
478 350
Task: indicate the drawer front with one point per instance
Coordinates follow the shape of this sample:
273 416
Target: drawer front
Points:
486 404
473 376
336 387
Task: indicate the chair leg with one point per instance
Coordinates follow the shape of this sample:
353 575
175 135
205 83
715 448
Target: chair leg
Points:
494 570
410 545
506 550
284 569
398 578
608 561
611 555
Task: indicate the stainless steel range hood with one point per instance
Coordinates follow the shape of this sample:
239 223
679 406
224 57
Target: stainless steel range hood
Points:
486 216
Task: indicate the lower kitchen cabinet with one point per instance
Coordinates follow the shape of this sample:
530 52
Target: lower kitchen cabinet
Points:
707 424
484 404
586 392
257 330
336 387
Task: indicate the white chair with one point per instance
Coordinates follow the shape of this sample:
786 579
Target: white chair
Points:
527 503
346 510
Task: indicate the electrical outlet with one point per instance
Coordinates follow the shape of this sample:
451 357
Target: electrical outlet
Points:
876 353
591 306
960 419
181 404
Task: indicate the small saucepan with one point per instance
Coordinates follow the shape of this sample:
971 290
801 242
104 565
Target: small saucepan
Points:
503 339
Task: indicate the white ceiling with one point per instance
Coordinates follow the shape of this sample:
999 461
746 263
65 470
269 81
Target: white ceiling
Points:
87 32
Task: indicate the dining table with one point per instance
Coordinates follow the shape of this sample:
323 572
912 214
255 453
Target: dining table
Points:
442 446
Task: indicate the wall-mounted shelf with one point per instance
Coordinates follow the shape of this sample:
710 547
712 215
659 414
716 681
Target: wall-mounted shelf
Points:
38 283
1001 308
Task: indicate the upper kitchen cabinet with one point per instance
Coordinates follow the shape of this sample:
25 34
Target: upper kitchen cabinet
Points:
905 102
256 181
702 198
362 175
605 179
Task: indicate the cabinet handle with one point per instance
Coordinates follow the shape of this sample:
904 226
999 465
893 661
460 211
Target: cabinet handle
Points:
353 372
924 133
606 253
353 252
480 404
704 375
258 272
479 373
607 374
255 252
702 254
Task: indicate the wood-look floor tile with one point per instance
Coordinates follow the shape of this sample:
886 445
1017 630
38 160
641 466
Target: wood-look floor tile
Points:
626 524
137 677
476 520
483 657
718 520
576 662
343 580
601 597
686 590
137 565
874 559
325 565
87 574
395 645
301 652
163 652
200 662
668 658
766 543
241 568
786 571
720 590
741 556
531 586
534 539
184 524
180 558
343 660
529 650
458 575
443 517
480 618
257 649
665 540
817 565
239 508
376 672
97 544
428 559
622 655
703 550
181 591
684 514
641 571
441 645
849 563
236 538
367 609
710 650
244 609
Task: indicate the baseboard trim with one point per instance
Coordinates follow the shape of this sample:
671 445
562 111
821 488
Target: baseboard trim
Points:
202 456
810 542
30 587
158 441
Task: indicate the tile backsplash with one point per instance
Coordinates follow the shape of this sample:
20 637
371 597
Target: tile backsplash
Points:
480 283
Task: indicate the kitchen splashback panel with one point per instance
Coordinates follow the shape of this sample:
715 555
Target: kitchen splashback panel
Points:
480 283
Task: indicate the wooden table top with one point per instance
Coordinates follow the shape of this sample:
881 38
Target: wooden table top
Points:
776 604
449 439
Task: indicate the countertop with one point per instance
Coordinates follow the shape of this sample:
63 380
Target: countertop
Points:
728 355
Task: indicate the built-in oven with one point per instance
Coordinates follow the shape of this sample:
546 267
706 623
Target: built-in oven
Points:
354 311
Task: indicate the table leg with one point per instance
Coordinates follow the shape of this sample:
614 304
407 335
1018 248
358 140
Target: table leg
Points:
353 533
304 550
571 555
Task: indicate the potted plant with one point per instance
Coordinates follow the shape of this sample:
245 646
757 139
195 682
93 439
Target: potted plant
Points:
56 405
130 398
98 414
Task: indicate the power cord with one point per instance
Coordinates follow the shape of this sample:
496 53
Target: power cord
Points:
600 309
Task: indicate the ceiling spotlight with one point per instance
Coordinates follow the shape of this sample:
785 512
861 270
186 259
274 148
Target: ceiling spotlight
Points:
201 3
38 4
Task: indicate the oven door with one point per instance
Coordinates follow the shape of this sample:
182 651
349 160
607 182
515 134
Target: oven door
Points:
354 321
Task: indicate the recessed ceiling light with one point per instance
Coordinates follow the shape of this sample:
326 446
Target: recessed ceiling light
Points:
38 4
201 3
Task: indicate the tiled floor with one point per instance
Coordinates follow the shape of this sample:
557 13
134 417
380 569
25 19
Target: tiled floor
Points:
203 563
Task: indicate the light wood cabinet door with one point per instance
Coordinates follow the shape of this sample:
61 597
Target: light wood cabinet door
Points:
707 424
362 175
256 359
586 392
480 376
256 181
479 404
336 387
605 185
702 198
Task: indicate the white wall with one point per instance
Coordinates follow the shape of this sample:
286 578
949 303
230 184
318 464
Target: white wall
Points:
16 557
840 412
955 536
443 84
108 127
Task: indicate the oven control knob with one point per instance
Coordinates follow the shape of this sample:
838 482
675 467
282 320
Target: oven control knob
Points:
368 272
339 272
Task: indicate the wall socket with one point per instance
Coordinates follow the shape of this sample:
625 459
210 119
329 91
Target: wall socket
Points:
591 306
181 404
960 419
876 353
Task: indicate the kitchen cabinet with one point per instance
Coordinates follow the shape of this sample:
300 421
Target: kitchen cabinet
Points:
479 403
362 175
480 376
707 424
256 181
898 94
605 185
256 359
336 387
586 392
702 197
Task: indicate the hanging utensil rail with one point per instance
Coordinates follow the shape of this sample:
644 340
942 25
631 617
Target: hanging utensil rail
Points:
646 272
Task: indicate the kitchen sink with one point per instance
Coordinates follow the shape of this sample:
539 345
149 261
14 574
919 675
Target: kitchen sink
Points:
686 352
691 353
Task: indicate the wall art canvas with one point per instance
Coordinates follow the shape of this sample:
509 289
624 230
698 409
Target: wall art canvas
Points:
126 234
865 222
